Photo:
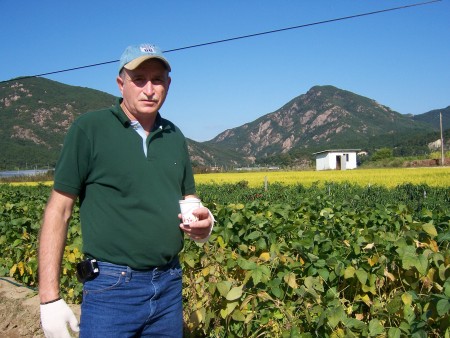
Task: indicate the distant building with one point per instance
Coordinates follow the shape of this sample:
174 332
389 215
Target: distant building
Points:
336 159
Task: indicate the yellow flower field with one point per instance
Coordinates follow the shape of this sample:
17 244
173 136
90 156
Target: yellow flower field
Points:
436 176
30 184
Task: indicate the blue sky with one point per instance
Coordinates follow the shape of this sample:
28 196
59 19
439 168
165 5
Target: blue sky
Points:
400 58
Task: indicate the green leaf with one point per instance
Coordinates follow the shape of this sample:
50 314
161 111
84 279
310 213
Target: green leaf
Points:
349 272
408 314
278 315
335 316
447 290
223 313
265 270
375 327
320 263
260 274
234 293
394 305
419 334
430 229
277 292
313 283
231 306
422 265
238 316
239 206
256 276
223 288
362 276
289 279
354 323
261 244
405 327
409 260
394 332
312 257
327 213
237 218
246 264
407 298
16 243
443 307
189 259
253 235
370 289
243 248
324 273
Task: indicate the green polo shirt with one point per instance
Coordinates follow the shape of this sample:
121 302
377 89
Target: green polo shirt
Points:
128 201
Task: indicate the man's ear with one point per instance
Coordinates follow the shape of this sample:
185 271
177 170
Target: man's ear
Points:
119 81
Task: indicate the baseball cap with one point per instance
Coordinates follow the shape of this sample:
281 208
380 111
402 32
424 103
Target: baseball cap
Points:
133 56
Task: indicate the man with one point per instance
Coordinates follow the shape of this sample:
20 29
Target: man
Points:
129 168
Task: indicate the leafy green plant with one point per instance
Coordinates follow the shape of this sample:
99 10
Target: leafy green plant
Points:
320 269
335 260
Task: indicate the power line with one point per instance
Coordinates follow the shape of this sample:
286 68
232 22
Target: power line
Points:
242 37
302 26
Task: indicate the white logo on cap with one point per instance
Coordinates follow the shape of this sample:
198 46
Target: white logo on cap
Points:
147 49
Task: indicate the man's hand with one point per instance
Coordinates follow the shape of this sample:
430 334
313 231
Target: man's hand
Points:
200 230
54 319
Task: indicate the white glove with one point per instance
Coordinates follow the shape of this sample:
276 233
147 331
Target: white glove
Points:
54 319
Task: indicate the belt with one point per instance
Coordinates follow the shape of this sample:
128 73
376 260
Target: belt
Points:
175 262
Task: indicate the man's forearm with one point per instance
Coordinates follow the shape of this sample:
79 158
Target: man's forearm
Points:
51 247
52 241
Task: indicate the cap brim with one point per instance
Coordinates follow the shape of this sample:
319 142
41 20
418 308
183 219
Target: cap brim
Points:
137 62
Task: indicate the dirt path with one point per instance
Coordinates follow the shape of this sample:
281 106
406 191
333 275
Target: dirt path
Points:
19 311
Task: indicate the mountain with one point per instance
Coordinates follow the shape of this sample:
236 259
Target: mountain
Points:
36 112
323 118
34 116
432 118
204 155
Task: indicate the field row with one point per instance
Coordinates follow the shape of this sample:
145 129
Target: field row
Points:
436 177
389 177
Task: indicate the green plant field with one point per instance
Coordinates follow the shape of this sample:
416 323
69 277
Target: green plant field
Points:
296 260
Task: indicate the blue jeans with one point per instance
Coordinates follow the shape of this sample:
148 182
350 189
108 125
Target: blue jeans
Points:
122 302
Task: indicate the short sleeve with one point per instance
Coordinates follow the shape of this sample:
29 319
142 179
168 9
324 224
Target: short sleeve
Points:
73 165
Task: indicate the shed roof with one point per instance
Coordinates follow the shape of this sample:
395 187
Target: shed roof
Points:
338 151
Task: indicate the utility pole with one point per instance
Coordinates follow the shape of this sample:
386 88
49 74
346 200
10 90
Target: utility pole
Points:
442 142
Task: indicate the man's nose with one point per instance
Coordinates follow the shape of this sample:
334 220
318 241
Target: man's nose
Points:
148 88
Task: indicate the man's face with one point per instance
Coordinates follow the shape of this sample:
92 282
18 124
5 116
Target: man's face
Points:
145 88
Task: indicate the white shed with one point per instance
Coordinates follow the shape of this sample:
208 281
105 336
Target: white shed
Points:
336 159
